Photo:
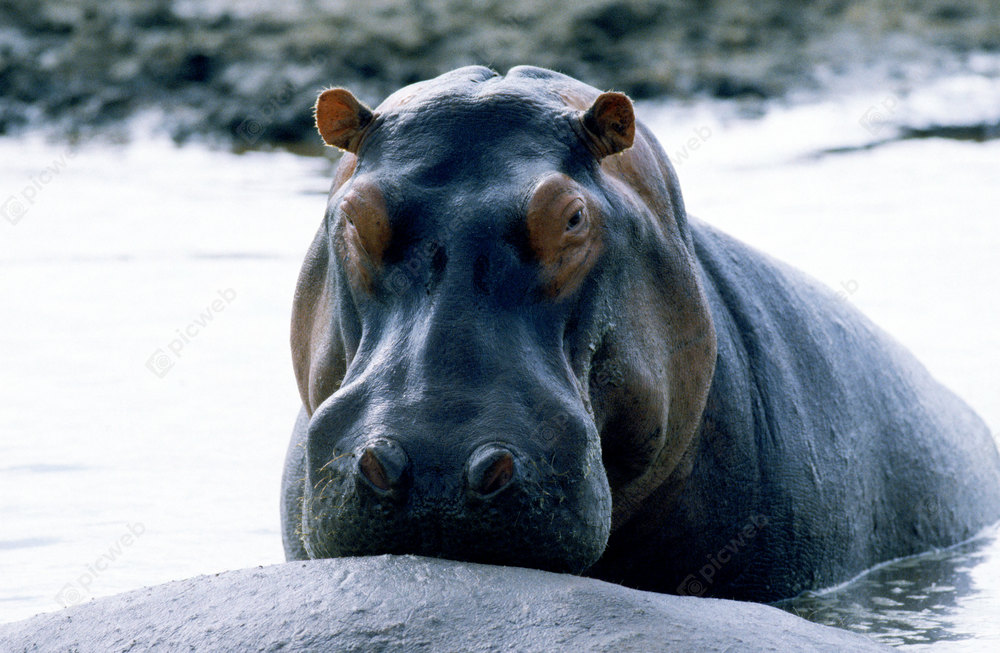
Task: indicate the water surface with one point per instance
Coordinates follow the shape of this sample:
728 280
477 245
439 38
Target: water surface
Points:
147 393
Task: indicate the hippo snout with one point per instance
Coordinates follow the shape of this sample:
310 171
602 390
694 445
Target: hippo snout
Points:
485 501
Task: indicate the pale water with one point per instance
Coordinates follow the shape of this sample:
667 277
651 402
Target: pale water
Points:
146 392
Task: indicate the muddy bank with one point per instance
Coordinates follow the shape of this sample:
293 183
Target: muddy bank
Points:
250 74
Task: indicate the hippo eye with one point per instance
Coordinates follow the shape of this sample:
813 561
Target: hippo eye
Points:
574 220
574 210
561 223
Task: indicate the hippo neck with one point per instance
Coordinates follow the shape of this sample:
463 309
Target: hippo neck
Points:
660 353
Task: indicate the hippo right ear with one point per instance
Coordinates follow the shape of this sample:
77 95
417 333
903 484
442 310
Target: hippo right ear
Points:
342 119
609 124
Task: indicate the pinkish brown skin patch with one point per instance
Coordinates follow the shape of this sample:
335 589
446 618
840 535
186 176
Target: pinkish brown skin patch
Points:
364 233
564 234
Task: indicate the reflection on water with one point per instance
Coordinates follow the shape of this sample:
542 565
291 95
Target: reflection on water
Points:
917 601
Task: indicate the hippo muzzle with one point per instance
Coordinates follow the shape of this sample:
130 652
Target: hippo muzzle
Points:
439 442
494 502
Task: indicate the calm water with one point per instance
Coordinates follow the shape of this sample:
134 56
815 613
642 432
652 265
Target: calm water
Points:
146 393
940 601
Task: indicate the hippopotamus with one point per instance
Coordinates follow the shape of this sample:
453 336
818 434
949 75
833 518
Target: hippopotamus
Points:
513 346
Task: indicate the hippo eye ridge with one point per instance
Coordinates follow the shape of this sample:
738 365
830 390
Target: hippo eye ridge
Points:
364 233
563 233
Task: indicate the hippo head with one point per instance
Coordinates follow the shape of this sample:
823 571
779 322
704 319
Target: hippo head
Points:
499 335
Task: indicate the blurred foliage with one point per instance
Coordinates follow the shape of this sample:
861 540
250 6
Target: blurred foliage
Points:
211 66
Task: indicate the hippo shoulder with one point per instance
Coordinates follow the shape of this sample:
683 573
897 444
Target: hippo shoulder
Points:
845 423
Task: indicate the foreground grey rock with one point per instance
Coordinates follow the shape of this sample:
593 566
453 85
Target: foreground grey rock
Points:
407 603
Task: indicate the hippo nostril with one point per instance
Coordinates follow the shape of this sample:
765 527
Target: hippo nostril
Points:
491 468
373 470
383 464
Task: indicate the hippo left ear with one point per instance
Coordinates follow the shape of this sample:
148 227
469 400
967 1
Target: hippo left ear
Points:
342 119
609 124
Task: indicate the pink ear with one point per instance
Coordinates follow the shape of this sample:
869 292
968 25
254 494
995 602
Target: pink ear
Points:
341 119
609 124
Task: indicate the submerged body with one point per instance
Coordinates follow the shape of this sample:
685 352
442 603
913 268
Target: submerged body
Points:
514 347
